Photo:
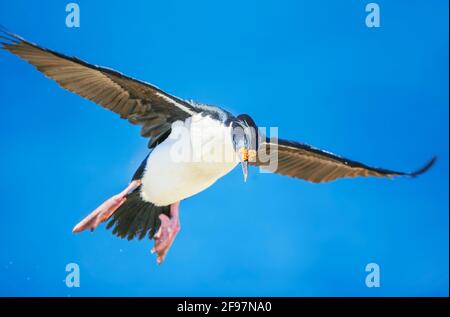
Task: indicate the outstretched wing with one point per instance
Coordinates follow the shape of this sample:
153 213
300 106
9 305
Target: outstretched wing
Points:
137 101
306 162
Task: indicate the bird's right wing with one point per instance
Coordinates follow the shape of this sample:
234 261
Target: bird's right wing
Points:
139 102
303 161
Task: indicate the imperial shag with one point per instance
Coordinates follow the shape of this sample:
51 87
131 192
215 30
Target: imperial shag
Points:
191 146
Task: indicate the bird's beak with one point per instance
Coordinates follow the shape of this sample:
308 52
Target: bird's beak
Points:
244 169
244 162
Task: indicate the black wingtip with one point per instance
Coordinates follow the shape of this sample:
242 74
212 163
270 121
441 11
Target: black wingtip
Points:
4 30
425 168
7 35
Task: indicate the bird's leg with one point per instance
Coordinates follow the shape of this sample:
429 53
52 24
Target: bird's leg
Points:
105 210
167 232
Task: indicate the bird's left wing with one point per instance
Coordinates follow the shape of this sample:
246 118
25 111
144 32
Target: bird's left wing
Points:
303 161
139 102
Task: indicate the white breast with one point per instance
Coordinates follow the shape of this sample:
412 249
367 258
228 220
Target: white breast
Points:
192 158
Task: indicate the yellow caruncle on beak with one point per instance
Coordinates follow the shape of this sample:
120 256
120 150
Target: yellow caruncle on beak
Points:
245 156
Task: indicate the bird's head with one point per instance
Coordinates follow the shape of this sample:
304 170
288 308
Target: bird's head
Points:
245 140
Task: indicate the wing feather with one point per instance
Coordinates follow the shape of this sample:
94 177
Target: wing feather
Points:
303 161
139 102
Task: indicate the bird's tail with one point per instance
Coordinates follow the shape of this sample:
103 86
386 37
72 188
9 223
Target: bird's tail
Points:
136 218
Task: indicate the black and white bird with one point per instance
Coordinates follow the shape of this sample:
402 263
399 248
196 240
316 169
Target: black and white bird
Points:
191 146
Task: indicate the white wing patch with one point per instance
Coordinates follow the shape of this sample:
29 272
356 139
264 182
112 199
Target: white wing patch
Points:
175 103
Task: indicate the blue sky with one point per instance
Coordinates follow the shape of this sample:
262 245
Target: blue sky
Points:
311 68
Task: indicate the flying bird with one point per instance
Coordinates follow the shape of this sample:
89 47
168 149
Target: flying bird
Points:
215 141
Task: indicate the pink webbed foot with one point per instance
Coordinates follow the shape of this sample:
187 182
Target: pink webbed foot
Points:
167 233
105 210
